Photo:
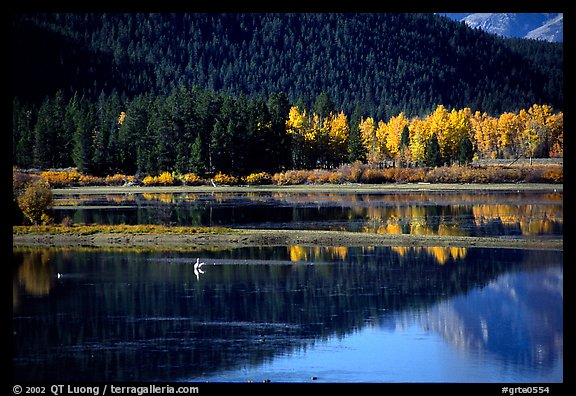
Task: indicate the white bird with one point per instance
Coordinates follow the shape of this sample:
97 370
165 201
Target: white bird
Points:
197 269
198 265
59 275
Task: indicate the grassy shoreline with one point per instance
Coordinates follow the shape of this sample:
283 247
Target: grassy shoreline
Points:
92 229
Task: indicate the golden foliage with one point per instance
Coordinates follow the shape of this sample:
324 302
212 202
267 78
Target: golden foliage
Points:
191 179
259 178
35 200
164 179
222 178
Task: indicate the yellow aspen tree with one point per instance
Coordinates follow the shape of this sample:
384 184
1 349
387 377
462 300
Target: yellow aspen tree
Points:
530 134
485 134
317 140
296 127
439 122
458 126
419 135
555 124
381 137
368 134
338 134
509 129
295 121
537 131
395 127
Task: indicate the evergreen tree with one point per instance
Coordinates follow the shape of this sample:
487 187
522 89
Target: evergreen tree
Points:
356 150
404 138
466 152
279 146
22 134
433 156
81 117
196 161
324 105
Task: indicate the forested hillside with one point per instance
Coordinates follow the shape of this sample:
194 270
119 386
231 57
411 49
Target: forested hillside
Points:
241 93
386 63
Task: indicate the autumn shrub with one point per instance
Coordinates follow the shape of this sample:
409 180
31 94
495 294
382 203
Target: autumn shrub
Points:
89 180
36 198
149 180
404 175
191 179
222 178
118 179
334 177
352 172
505 175
259 178
554 175
440 174
58 179
373 176
291 177
164 179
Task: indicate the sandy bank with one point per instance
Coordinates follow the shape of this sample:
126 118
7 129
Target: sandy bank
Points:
278 238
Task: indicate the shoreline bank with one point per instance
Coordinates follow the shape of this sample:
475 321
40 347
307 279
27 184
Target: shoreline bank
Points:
248 238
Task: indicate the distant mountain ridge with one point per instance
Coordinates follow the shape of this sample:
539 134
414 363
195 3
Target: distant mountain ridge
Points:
542 26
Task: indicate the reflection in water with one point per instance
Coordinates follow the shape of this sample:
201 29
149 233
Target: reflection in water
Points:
145 316
517 312
440 253
451 214
35 273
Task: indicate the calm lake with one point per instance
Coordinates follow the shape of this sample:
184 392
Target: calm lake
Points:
518 215
290 313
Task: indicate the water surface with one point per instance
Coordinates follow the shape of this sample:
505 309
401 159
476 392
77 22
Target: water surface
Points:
521 214
364 314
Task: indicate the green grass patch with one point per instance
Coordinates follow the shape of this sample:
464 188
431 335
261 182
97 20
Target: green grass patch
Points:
92 229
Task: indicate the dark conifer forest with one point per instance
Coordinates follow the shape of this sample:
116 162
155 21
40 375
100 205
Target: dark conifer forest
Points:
203 92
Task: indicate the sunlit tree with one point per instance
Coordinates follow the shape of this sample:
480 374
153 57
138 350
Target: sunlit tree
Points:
36 198
394 130
369 140
509 129
339 135
485 134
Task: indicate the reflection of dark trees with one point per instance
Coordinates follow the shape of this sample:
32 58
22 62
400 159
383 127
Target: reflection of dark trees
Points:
146 317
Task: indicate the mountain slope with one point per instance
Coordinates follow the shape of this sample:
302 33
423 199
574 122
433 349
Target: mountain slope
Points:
384 63
552 30
543 26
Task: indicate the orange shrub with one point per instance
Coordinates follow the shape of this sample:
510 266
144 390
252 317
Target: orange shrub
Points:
191 179
164 179
291 177
259 178
373 176
118 179
88 180
221 178
61 178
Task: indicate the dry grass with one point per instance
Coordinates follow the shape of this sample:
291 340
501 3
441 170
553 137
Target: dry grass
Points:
117 229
